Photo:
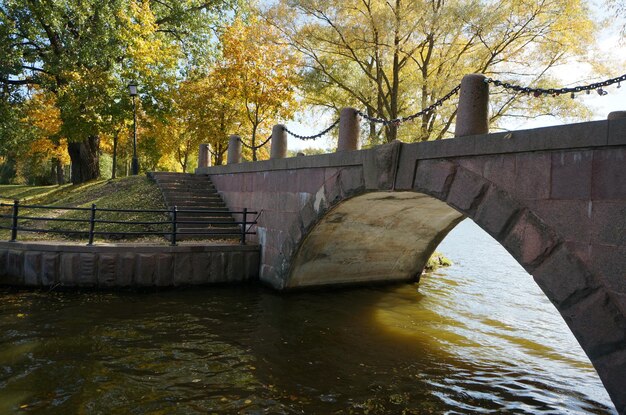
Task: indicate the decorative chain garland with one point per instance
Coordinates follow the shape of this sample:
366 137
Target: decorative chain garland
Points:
255 147
312 137
398 121
537 92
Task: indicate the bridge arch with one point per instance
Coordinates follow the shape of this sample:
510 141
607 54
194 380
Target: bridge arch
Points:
554 197
388 234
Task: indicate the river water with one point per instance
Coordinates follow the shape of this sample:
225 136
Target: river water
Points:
478 337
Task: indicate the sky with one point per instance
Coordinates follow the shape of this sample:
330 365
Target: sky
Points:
610 46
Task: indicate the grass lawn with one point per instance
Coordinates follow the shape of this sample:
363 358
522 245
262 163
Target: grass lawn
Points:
134 192
23 193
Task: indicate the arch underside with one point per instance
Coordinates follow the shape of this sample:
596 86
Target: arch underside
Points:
374 237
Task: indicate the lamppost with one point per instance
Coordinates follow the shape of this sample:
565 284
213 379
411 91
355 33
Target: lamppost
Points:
132 88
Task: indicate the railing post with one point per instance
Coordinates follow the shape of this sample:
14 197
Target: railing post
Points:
16 204
92 223
616 115
472 116
349 130
244 225
234 150
204 158
279 142
174 230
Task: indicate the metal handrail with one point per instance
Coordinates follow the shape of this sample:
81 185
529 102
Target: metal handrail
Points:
245 224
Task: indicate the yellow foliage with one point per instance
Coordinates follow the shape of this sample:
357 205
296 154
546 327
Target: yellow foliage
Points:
262 74
43 114
149 52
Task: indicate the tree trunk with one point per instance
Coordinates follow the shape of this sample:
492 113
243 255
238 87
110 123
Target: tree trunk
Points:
254 127
114 167
85 159
58 171
219 154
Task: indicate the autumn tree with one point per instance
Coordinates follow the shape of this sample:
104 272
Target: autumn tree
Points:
393 58
85 52
48 145
262 74
213 110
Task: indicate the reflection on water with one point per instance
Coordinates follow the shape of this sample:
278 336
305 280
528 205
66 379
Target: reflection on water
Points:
476 338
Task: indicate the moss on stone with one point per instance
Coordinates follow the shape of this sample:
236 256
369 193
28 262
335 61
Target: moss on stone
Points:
437 260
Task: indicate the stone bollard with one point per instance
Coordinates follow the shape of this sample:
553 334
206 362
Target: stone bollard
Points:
278 148
234 150
204 158
349 130
616 115
472 116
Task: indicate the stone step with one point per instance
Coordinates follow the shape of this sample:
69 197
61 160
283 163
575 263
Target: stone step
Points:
197 206
194 179
185 234
196 193
194 198
216 231
194 182
181 238
212 219
194 224
190 202
167 174
184 191
204 210
187 186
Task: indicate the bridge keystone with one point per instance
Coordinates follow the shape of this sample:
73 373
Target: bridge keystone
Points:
351 181
434 177
380 165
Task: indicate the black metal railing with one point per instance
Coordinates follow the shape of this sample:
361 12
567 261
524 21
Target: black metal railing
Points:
172 219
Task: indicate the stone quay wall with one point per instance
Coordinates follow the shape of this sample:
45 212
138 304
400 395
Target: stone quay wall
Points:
36 264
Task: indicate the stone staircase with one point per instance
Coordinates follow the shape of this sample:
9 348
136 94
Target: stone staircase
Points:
187 191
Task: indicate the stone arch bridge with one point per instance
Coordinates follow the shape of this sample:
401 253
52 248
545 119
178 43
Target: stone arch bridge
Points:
554 197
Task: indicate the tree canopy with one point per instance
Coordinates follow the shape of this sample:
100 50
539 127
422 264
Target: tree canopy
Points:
393 58
86 52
